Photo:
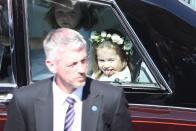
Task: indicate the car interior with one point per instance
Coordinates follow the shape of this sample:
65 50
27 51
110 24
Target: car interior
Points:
5 58
103 16
106 19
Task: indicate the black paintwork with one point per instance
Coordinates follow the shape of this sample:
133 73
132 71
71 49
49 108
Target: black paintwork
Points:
19 48
168 29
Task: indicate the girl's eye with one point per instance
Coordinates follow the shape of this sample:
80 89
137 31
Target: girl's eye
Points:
111 60
100 60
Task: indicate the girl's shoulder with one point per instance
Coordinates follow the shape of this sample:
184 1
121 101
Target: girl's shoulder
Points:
124 75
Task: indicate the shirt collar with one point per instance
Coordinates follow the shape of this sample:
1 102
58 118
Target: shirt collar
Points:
61 96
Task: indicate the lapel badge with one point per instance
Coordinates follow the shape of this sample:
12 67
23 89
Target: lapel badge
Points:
94 108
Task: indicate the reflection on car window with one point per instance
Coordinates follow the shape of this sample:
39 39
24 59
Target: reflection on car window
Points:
53 15
119 63
5 57
189 3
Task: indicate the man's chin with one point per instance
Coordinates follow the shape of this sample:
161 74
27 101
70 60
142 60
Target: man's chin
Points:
79 84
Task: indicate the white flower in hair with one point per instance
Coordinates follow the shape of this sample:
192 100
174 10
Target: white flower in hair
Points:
103 34
108 35
120 41
127 46
96 38
102 40
93 35
99 37
117 39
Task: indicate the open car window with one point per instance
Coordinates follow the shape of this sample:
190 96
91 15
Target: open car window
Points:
94 17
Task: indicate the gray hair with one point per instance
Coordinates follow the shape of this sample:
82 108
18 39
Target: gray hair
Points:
61 36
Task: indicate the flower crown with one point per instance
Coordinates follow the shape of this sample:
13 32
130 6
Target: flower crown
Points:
97 38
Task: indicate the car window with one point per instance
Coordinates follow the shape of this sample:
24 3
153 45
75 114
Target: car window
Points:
92 17
5 55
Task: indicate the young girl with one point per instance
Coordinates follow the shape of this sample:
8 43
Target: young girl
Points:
110 57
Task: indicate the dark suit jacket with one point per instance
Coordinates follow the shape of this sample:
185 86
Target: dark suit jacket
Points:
31 108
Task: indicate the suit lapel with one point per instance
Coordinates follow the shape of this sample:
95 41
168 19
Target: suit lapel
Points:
92 102
44 108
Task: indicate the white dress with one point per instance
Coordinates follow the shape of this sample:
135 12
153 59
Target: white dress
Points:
123 76
145 76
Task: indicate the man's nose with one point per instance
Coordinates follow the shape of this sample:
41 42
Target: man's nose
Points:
82 67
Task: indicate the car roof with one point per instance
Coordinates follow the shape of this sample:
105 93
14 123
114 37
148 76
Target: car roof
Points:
177 8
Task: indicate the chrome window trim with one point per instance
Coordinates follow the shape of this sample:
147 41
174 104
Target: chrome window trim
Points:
12 39
140 48
27 44
161 106
7 85
3 113
136 41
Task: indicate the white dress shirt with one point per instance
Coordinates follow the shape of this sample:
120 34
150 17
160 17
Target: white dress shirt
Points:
60 107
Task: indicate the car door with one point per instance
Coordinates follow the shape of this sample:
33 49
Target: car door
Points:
147 89
8 74
159 26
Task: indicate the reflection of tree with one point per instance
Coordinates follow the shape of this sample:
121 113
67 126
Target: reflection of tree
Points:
188 1
3 21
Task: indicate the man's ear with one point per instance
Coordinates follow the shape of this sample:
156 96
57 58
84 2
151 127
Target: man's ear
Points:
51 65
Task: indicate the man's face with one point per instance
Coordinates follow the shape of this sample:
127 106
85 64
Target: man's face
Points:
71 68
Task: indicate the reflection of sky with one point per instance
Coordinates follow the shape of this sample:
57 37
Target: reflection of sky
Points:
10 15
190 3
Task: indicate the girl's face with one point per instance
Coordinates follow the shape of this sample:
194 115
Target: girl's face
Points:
67 17
109 61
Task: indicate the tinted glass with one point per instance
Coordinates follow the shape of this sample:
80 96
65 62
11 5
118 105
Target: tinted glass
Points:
87 18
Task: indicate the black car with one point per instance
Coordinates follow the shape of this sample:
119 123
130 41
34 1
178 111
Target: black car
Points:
161 93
